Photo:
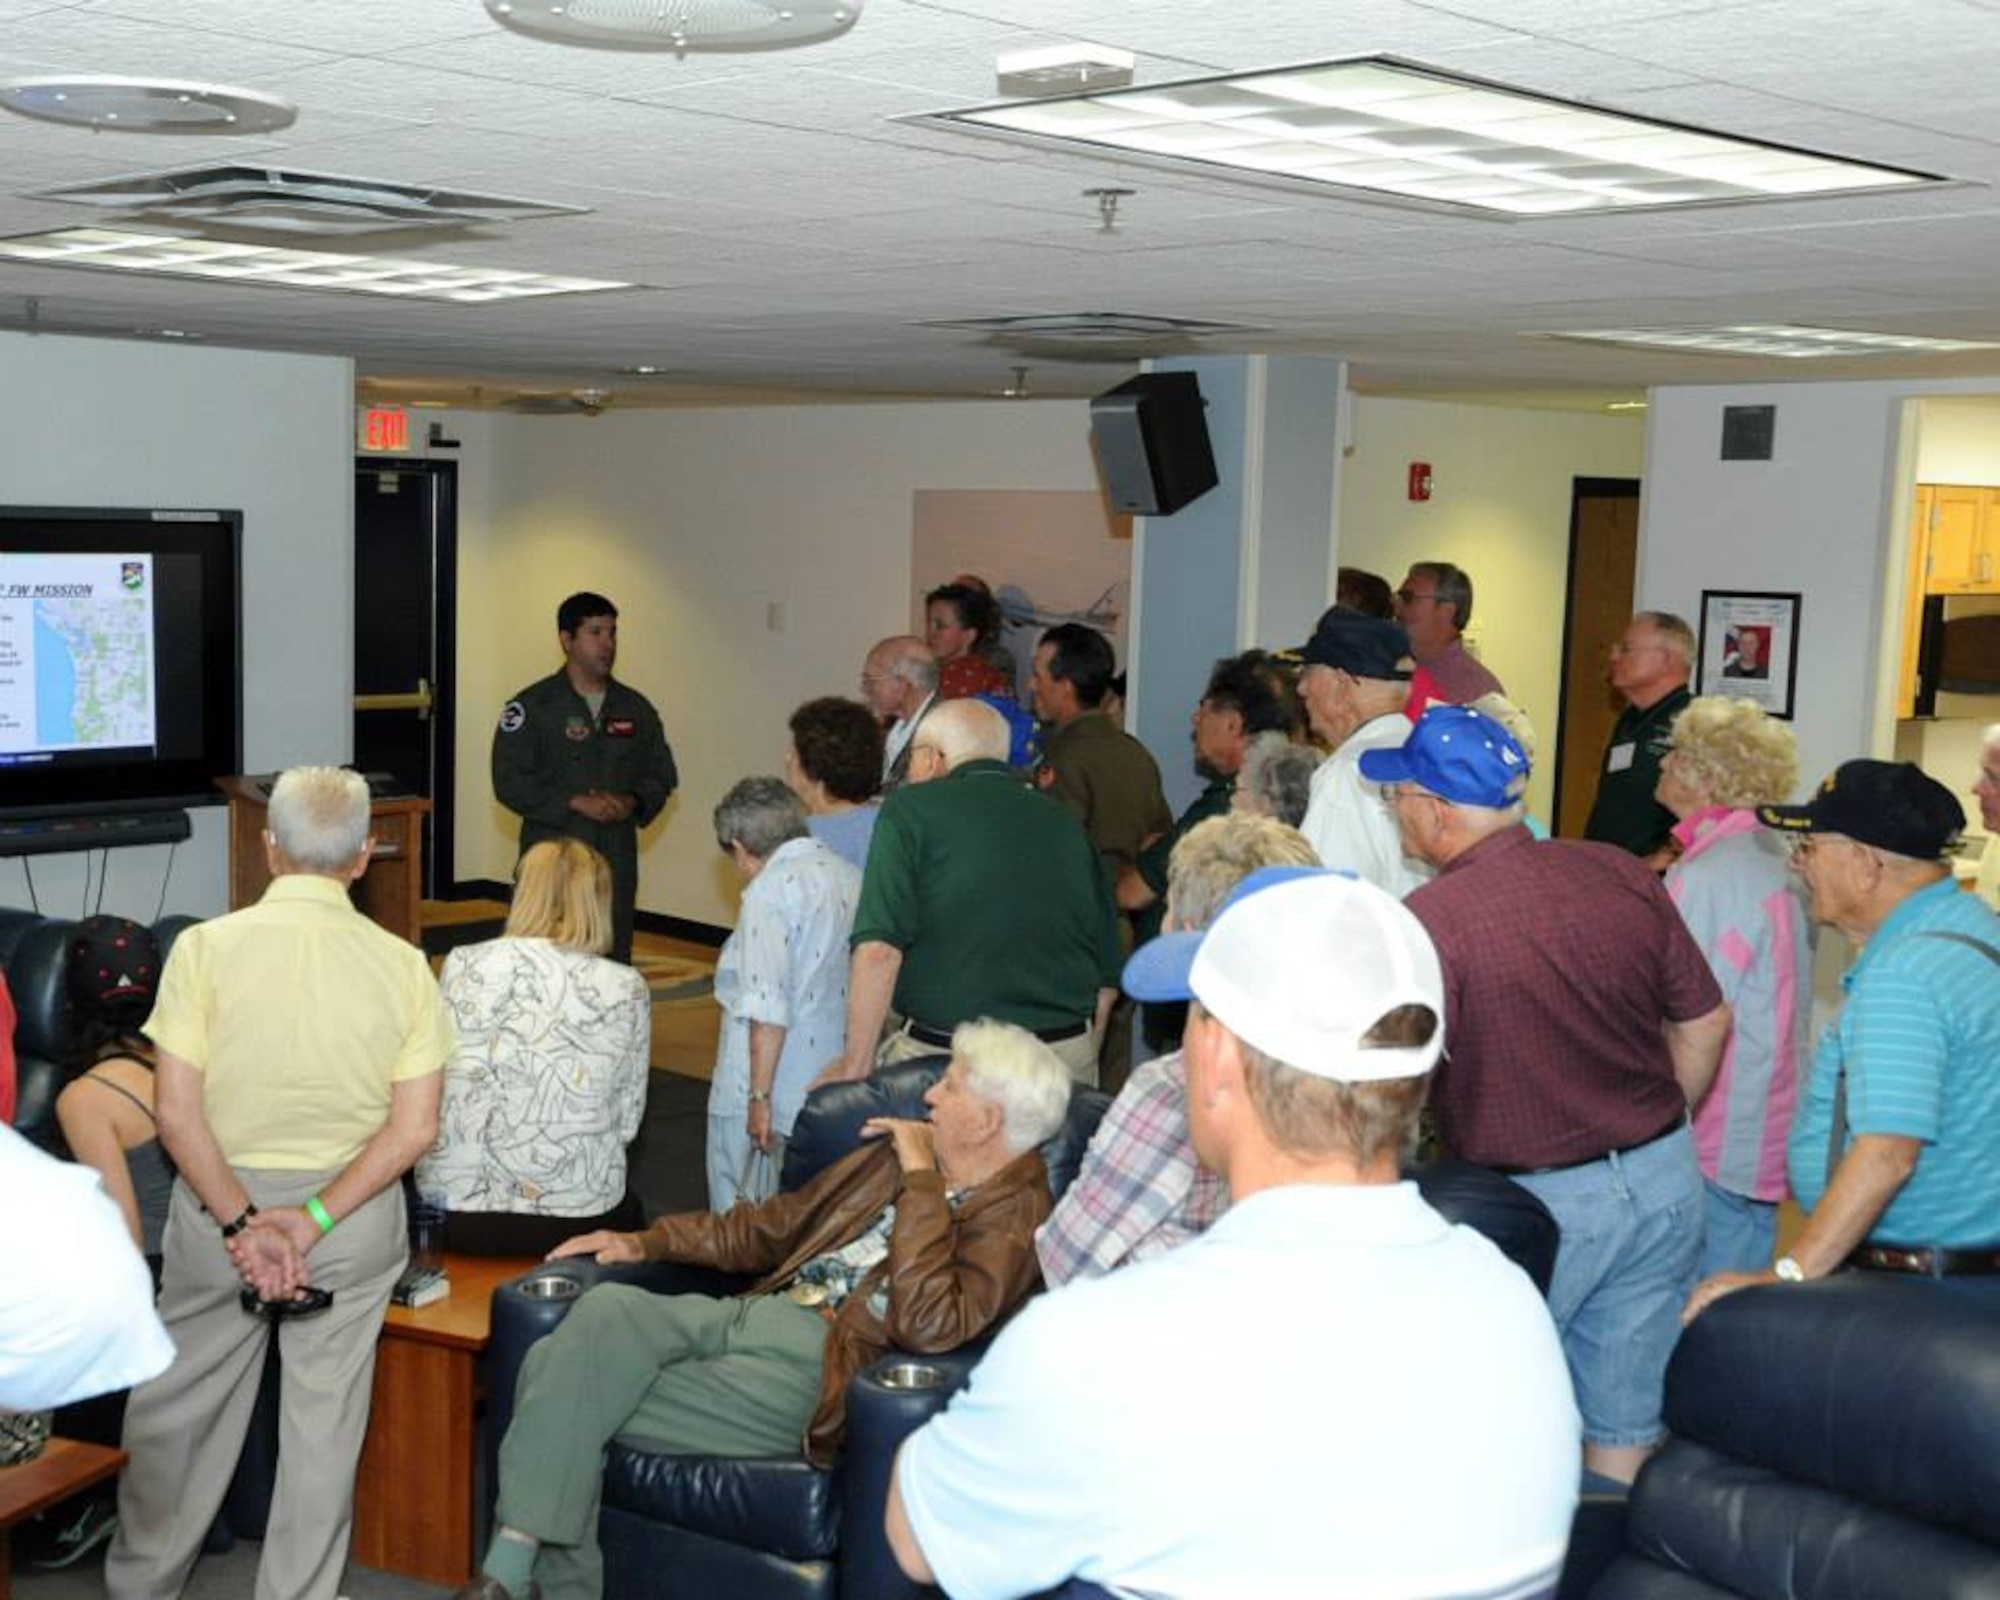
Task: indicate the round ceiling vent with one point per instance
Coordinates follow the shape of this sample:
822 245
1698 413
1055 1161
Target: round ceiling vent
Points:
146 105
679 25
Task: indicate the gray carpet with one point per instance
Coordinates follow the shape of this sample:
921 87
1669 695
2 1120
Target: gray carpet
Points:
667 1168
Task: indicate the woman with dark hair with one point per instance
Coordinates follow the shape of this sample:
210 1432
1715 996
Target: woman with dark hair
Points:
834 766
106 1113
961 624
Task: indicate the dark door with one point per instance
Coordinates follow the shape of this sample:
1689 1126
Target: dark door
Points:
1603 559
405 564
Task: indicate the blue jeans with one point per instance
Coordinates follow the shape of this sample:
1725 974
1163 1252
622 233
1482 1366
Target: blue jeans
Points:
1631 1240
1740 1235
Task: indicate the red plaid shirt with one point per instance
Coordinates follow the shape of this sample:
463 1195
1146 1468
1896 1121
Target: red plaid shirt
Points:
1562 961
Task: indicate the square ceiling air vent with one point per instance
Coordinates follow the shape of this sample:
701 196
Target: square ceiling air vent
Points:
268 200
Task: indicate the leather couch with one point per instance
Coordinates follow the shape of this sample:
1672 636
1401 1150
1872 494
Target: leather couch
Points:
34 954
775 1529
1837 1440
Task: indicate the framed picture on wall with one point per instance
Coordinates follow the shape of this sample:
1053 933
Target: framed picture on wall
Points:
1749 648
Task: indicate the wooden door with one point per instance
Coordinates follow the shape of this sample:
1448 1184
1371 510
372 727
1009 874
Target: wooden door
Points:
1603 562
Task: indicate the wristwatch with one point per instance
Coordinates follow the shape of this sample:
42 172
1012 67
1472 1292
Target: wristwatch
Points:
1788 1270
759 1097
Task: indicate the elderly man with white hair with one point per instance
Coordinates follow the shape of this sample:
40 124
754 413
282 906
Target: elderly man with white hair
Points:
982 898
300 1064
920 1240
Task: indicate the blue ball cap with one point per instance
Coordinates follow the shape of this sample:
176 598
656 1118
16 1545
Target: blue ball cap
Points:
1458 754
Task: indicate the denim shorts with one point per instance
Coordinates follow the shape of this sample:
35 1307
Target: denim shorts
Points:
1631 1239
1740 1234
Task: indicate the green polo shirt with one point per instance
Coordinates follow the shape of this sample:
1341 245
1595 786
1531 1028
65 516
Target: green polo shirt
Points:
1214 801
994 896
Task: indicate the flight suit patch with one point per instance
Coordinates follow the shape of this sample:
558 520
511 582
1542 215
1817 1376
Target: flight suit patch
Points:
620 728
577 729
513 717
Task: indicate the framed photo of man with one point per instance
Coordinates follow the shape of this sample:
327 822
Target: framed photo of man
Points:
1749 648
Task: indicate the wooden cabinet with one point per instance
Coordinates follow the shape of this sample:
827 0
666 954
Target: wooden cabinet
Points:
390 892
1959 526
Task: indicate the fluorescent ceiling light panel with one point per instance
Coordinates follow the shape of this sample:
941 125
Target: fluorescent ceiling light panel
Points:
1397 128
1776 339
110 250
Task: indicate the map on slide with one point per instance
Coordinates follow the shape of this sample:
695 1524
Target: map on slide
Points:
76 653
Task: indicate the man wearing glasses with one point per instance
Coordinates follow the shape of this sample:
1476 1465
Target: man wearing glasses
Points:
1435 608
1891 1151
1650 665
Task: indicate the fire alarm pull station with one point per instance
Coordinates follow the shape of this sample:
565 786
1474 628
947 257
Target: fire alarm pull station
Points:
1420 480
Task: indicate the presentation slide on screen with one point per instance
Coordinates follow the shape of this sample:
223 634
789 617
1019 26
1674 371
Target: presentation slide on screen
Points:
76 653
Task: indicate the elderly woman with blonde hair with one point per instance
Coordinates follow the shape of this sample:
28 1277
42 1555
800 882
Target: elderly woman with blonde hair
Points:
548 1085
1732 886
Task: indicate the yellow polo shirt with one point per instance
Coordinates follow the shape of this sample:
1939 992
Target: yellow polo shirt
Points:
300 1014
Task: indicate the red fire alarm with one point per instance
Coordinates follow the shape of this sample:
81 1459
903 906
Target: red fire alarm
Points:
1420 480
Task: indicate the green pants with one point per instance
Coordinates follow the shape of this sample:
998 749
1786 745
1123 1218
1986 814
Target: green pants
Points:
680 1374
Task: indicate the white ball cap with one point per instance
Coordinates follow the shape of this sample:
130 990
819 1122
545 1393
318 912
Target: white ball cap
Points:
1304 968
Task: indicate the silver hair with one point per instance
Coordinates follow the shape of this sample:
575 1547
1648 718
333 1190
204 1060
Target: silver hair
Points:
1014 1070
1673 631
1990 737
319 817
917 666
1450 585
1279 775
759 814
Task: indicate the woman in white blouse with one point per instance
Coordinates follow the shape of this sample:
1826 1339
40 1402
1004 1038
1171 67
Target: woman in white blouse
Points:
781 983
548 1084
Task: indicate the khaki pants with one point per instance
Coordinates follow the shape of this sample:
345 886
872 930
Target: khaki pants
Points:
1078 1053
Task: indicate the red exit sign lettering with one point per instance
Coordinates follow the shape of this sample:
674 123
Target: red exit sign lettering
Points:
383 428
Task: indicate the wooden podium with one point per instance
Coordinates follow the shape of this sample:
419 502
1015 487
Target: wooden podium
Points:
390 892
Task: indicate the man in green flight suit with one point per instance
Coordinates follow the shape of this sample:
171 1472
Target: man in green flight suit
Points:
582 756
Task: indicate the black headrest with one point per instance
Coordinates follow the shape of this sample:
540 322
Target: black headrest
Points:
829 1123
1496 1206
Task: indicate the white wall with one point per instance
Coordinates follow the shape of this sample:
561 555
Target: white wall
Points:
1500 508
694 522
99 422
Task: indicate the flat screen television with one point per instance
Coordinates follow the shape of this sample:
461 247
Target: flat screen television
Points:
120 643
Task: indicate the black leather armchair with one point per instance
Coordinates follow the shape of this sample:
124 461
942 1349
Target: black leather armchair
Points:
1837 1440
34 953
778 1528
766 1527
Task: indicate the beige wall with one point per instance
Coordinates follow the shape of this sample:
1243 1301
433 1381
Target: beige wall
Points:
1500 508
697 523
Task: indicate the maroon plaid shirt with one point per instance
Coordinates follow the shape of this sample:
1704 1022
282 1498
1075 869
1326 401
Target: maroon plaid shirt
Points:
1561 962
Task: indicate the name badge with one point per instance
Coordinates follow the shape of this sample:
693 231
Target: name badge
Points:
620 728
1620 759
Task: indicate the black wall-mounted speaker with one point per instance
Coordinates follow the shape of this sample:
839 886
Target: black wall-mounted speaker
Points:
1152 443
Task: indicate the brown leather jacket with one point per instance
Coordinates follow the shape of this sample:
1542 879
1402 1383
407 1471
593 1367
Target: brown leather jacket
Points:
950 1277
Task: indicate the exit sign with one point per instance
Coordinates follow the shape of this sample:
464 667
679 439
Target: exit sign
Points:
385 428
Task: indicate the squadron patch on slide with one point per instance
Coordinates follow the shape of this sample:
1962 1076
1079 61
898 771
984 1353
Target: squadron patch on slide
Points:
513 717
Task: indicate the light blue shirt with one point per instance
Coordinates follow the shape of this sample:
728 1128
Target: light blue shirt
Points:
1919 1041
1297 1394
786 964
846 833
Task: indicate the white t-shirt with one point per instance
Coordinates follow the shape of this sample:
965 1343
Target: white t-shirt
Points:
1333 1393
76 1300
1346 820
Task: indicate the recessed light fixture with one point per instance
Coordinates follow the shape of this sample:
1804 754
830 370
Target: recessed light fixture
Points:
678 25
1775 339
163 256
642 371
146 105
1062 69
1627 405
1394 127
166 333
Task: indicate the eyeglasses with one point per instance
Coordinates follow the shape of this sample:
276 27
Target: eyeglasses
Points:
1392 792
1412 596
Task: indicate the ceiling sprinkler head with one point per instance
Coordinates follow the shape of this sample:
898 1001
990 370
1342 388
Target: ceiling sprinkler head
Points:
1107 206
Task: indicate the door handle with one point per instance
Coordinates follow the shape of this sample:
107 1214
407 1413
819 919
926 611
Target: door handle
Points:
418 700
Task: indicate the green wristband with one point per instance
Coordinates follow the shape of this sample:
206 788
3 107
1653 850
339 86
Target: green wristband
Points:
319 1214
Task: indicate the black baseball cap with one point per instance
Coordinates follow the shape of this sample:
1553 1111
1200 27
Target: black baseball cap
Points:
114 965
1368 647
1893 805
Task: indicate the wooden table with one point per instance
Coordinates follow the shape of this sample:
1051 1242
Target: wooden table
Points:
413 1505
64 1467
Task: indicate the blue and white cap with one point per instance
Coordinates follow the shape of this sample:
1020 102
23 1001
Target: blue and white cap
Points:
1458 754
